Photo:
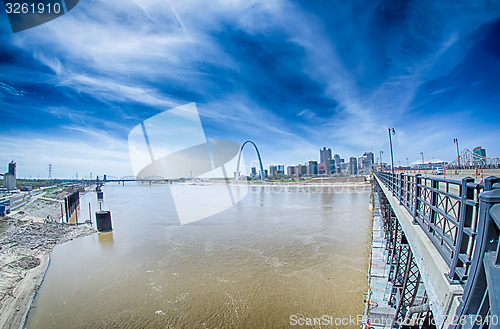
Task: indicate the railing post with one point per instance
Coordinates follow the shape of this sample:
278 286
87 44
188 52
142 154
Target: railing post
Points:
401 187
391 182
434 201
489 181
417 194
394 184
464 220
408 189
487 240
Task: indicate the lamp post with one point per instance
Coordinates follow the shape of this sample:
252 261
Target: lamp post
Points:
391 130
455 140
422 154
407 163
381 152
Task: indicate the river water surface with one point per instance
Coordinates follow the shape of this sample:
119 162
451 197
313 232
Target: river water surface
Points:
282 253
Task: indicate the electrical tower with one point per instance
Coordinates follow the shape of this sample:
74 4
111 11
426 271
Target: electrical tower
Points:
49 168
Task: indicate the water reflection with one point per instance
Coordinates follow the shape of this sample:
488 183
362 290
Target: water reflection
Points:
106 239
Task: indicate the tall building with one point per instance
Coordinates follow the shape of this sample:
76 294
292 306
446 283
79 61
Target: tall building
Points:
253 172
353 166
330 167
9 178
273 171
366 165
479 151
291 171
281 170
325 154
276 171
322 169
338 162
12 168
301 170
369 155
312 167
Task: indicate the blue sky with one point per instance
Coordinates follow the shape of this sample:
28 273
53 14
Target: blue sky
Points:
291 76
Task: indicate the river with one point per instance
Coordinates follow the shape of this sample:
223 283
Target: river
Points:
278 257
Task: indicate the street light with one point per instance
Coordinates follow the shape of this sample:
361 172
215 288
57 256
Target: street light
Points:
407 163
455 140
422 154
391 130
381 152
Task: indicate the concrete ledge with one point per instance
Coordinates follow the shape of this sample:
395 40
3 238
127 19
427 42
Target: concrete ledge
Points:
443 296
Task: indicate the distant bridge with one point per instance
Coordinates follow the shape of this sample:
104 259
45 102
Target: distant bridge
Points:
469 159
443 252
148 179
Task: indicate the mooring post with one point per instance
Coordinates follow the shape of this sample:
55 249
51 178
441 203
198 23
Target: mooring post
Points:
90 215
418 192
62 214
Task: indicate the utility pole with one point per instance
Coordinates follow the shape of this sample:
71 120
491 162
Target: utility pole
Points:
391 130
458 152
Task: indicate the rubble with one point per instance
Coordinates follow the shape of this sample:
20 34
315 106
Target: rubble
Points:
25 245
40 236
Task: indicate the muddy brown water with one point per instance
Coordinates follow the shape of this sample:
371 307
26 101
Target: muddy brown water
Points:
280 256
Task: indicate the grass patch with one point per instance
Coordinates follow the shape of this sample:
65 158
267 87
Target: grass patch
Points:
53 188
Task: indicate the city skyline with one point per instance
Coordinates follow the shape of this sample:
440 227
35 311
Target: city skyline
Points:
325 156
289 76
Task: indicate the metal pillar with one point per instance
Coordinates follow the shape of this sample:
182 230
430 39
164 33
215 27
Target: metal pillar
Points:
409 288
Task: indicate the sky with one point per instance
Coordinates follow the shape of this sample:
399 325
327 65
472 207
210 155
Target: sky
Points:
291 76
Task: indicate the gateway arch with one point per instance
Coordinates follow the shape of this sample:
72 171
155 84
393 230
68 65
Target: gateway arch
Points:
237 174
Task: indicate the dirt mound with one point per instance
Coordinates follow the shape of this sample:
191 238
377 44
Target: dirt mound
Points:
28 262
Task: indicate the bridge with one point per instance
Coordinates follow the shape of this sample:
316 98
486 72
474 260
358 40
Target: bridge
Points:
149 179
469 159
440 254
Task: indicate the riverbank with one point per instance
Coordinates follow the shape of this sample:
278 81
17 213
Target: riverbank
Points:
26 240
348 180
310 182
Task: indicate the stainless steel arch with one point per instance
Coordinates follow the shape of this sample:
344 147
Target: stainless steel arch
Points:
237 174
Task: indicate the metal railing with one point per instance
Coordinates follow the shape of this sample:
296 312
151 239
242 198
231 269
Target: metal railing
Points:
480 305
447 210
462 219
